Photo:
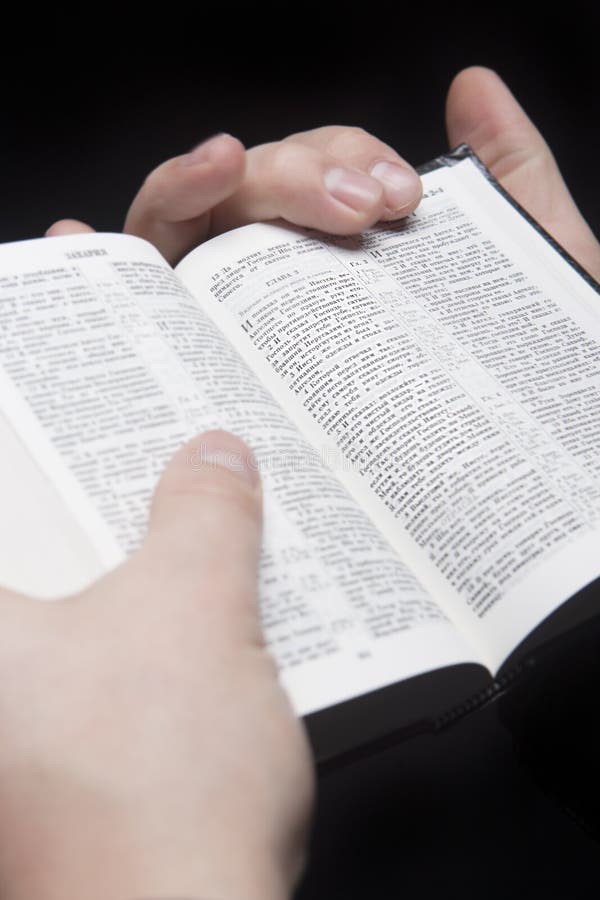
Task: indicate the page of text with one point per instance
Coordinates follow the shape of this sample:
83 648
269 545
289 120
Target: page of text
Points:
106 366
458 377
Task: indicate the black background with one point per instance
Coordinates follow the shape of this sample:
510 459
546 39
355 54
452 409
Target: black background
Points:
84 121
82 124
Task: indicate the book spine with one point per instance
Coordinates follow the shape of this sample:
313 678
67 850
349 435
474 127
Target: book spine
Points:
432 725
498 687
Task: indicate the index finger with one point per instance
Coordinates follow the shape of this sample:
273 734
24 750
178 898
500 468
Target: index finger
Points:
361 150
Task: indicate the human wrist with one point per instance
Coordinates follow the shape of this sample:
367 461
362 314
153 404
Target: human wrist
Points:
100 859
122 879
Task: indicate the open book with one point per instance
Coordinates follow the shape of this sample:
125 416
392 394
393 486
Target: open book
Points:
423 401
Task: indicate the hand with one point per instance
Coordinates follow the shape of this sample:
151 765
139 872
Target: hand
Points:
147 748
337 179
481 112
188 199
178 208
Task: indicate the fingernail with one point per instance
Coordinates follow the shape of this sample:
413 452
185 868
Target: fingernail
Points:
359 192
400 185
202 153
219 448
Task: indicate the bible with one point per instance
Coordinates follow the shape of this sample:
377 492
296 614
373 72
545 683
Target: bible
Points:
423 401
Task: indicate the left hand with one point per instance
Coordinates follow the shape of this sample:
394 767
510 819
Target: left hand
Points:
337 179
148 749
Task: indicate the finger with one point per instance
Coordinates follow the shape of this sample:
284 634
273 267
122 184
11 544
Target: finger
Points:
322 181
205 527
68 226
357 148
482 112
172 208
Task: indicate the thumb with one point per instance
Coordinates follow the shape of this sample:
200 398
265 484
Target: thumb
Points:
205 527
203 543
482 112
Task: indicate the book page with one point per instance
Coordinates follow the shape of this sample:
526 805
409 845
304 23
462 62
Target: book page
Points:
453 361
106 366
42 547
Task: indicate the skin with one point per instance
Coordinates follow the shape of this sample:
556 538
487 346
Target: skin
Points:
134 715
147 749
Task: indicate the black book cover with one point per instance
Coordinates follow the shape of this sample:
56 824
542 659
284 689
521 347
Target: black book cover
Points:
433 701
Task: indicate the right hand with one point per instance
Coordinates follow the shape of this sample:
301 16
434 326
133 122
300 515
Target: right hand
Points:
336 179
220 186
289 179
481 112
